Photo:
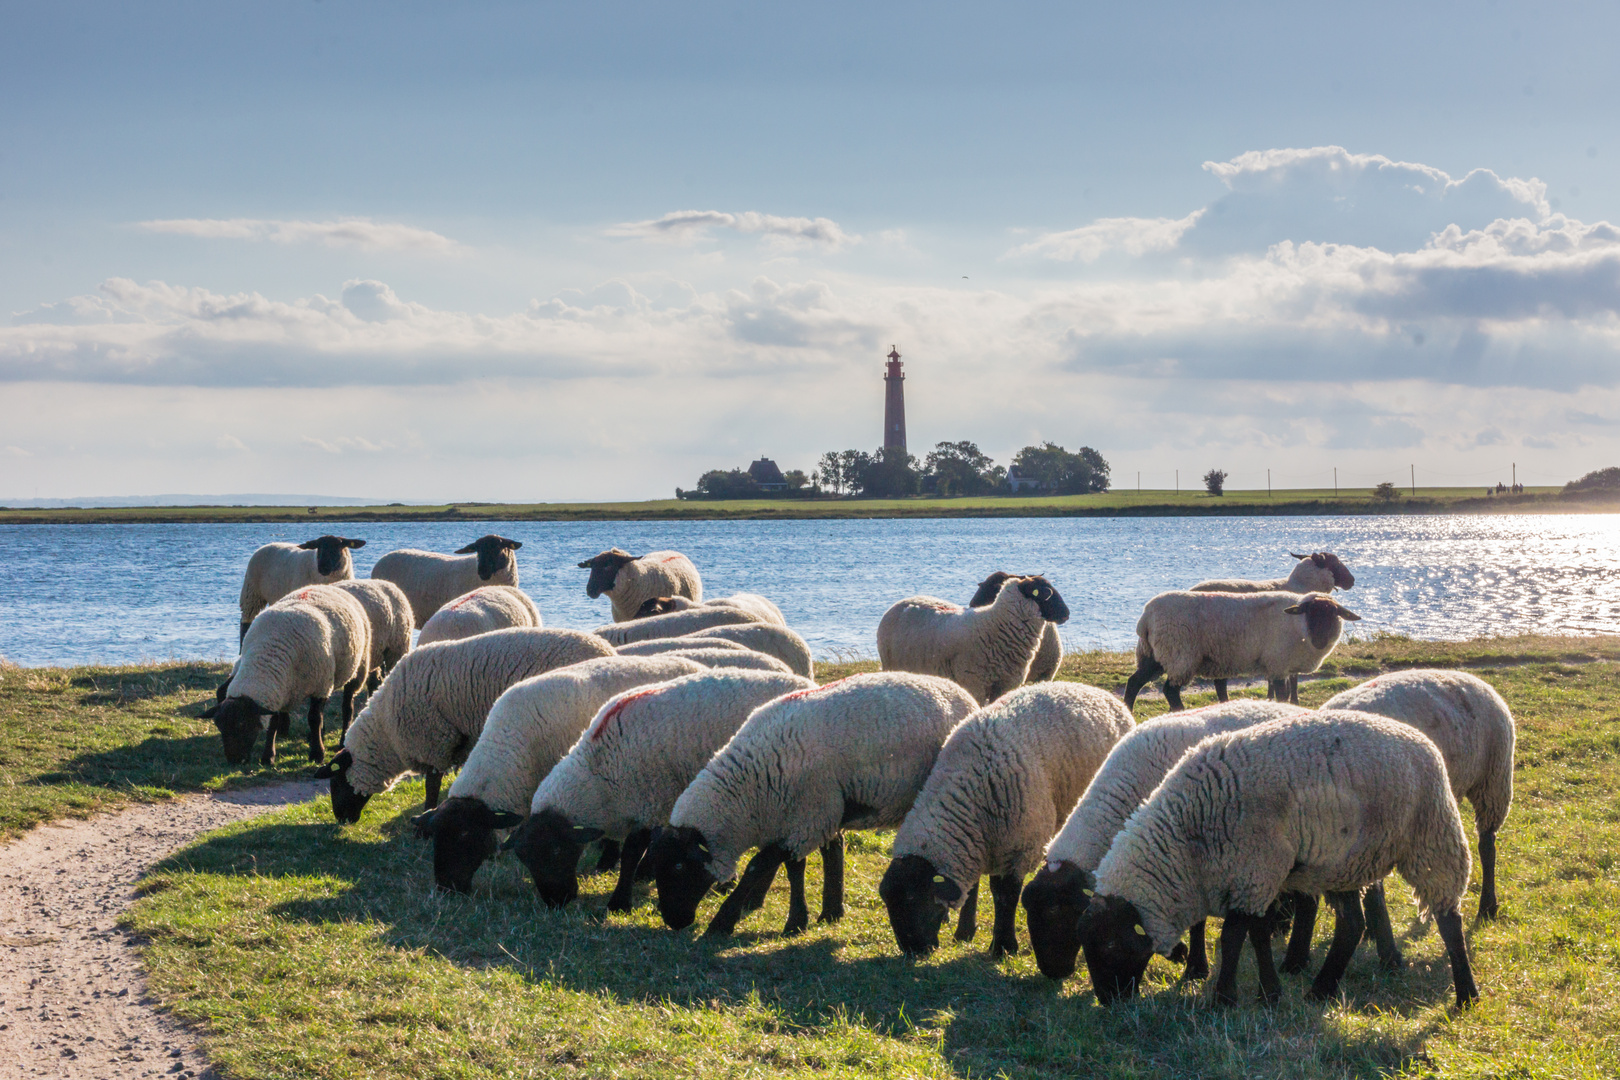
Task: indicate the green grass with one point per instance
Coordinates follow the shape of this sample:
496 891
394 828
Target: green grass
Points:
1427 500
305 949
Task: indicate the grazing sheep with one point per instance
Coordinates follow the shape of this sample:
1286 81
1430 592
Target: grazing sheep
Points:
275 570
432 580
1327 802
1136 765
777 641
850 755
492 607
1223 635
630 581
529 729
303 648
622 777
987 650
391 623
675 624
1049 657
660 646
1003 781
741 659
759 605
1468 720
427 715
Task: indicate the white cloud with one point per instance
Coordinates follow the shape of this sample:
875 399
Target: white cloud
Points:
1131 235
229 443
688 226
15 451
362 233
344 443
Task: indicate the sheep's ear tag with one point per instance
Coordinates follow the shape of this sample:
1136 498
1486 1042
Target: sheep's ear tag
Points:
1139 930
703 848
939 879
579 828
1088 892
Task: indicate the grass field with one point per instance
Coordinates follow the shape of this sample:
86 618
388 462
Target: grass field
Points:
1426 500
302 948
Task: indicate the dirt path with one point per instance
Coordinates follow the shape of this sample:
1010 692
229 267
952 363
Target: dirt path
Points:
73 998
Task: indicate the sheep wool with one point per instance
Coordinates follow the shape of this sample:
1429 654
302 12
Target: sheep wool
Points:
432 580
275 570
739 659
1318 572
391 620
630 581
675 624
759 605
1003 781
987 650
490 607
767 638
659 646
1049 656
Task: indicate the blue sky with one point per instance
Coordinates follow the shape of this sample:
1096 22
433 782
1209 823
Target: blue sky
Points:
526 251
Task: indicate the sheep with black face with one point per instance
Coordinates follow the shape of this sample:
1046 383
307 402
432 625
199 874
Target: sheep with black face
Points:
759 605
432 580
987 651
275 570
1049 657
629 581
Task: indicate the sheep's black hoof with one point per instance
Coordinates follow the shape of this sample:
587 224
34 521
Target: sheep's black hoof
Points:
1392 963
1198 970
317 754
830 915
1293 967
1271 998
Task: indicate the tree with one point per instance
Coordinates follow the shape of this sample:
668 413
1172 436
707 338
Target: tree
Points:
1596 480
1057 471
796 480
961 468
719 484
1215 482
831 471
891 473
1386 492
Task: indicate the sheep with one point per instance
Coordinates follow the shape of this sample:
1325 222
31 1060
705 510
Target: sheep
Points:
1049 657
1320 571
623 776
432 580
529 729
986 650
744 659
275 570
675 624
389 611
427 715
303 648
630 581
777 641
660 646
1328 802
491 607
1221 635
759 605
850 755
1471 724
1003 781
1055 896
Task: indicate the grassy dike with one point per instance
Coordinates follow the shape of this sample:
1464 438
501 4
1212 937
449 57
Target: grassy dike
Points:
305 949
1118 503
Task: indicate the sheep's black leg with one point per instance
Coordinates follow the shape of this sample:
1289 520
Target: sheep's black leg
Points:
1172 694
1004 891
1197 954
607 857
1298 956
1383 935
317 722
1234 928
1348 926
1487 866
1260 938
1293 689
1146 669
1462 975
832 880
1277 690
1220 689
635 846
374 679
280 724
348 708
750 892
967 920
241 634
434 779
798 911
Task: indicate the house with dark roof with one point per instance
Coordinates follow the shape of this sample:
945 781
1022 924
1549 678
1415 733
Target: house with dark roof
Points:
767 475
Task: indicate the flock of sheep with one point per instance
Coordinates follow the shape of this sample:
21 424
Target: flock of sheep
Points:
689 732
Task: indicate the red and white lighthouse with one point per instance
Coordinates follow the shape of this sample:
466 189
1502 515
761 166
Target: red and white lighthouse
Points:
894 402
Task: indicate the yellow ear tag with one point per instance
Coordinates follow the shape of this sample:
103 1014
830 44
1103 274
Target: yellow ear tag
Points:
703 849
579 828
938 879
1139 930
1088 892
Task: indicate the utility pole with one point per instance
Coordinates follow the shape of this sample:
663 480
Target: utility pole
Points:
1335 481
1139 481
1178 481
1515 474
1268 483
1414 481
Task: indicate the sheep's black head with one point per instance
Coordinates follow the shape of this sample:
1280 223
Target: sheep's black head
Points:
990 588
239 720
660 605
1038 589
550 846
463 835
1053 901
1117 947
330 552
918 897
680 862
1326 560
604 570
346 802
494 554
1322 618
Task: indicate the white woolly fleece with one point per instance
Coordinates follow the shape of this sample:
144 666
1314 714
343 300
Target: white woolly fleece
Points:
675 624
486 608
432 580
277 569
986 650
768 638
1224 635
391 620
308 644
658 573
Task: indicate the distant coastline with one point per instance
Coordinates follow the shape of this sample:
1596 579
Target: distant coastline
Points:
1110 504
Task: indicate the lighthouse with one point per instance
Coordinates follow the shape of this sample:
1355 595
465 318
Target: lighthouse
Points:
894 402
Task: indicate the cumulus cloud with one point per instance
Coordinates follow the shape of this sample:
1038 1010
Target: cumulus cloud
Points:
361 233
688 226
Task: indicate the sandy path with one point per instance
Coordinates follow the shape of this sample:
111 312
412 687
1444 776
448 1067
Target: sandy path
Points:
73 998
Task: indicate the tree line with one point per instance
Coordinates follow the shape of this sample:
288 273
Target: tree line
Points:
950 469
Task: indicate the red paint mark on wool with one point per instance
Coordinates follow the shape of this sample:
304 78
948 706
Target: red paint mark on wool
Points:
671 558
459 601
619 707
813 689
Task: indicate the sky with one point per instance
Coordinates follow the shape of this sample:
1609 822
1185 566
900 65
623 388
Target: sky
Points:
539 252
